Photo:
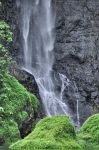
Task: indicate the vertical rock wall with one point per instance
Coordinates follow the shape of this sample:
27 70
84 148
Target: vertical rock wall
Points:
77 50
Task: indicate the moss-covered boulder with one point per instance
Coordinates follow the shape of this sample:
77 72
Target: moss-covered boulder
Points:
50 133
88 136
16 106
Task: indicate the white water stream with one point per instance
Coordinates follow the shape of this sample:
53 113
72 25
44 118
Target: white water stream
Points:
38 22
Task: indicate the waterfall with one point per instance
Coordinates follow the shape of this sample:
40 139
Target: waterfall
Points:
37 26
77 106
38 37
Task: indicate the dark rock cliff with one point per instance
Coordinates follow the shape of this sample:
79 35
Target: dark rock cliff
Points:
76 48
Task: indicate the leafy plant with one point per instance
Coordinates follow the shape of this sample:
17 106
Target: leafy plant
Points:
5 59
5 33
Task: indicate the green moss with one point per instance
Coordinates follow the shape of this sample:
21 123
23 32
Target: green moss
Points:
88 136
21 117
5 33
9 130
16 104
5 41
50 133
17 96
91 126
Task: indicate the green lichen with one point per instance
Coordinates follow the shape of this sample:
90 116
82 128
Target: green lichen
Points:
50 133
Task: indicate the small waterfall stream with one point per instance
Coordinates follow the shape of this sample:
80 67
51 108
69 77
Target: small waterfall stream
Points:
37 26
77 106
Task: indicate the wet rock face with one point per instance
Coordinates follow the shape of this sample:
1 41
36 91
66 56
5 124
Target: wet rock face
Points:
77 50
77 28
8 12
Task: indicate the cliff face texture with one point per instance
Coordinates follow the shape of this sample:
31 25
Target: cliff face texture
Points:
76 49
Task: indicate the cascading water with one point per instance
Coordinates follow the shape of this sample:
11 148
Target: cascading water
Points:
38 20
77 100
37 25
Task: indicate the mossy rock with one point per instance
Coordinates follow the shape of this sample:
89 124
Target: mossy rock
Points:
50 133
16 105
88 135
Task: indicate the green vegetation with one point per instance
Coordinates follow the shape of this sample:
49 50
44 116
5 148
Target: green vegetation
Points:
58 133
88 136
5 40
50 133
16 104
9 131
5 59
14 100
5 33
